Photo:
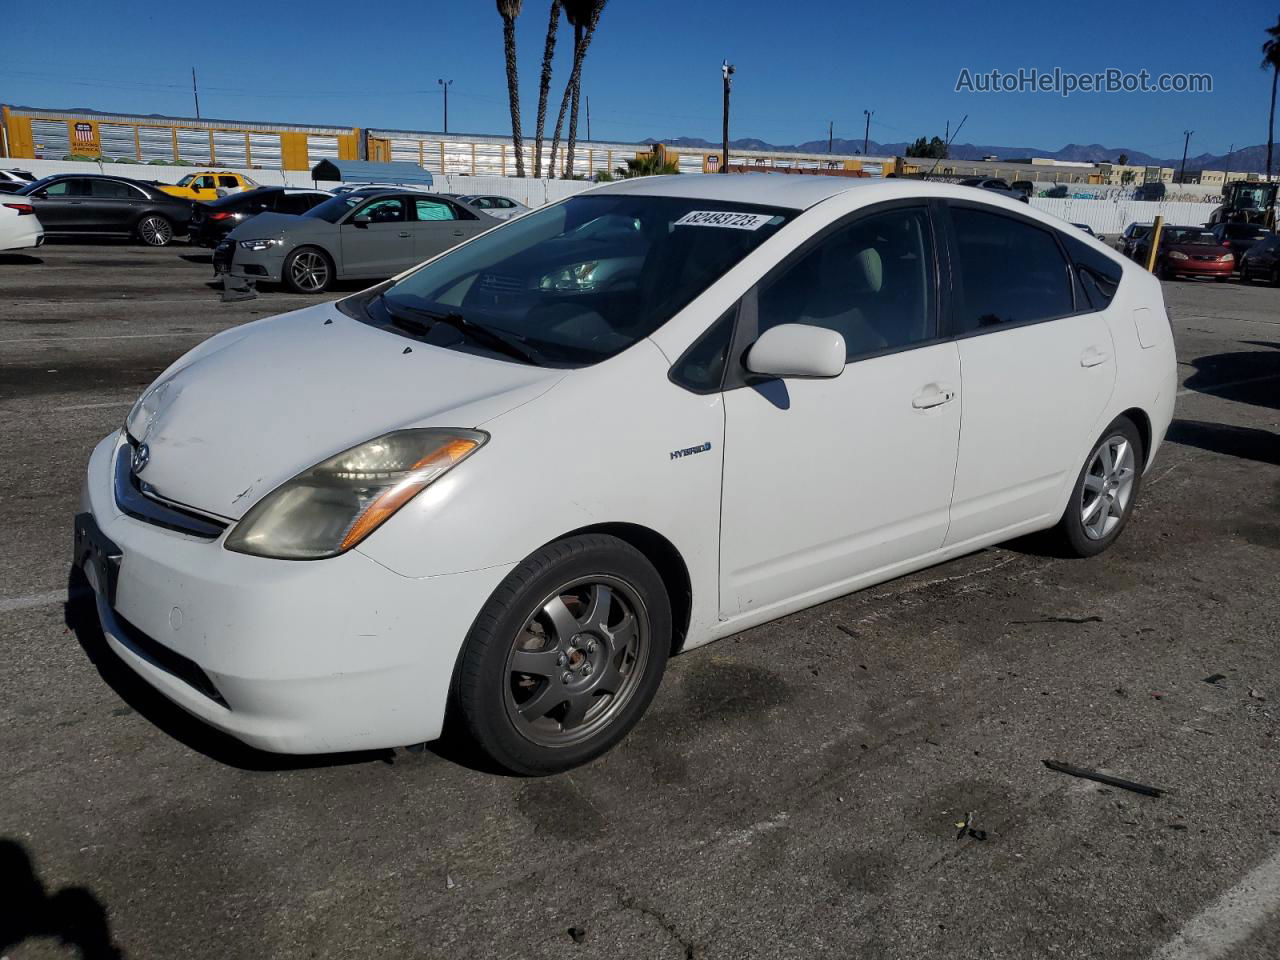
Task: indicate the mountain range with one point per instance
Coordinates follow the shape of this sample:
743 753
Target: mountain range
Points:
1249 159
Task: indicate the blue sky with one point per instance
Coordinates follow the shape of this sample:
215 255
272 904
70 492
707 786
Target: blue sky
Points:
653 69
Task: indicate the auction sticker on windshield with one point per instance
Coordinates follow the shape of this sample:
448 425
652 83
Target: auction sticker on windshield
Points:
724 218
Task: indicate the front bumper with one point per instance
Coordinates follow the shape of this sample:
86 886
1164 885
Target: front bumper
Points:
230 258
1200 268
287 656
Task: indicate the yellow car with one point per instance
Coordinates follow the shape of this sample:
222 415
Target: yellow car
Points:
208 185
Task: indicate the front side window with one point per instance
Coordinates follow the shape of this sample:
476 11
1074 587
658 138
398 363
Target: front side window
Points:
204 183
433 210
579 281
871 281
1010 271
68 188
384 210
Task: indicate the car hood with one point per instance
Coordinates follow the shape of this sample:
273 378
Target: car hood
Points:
254 406
268 226
1196 249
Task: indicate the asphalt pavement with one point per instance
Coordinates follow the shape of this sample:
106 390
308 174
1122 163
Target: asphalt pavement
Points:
862 779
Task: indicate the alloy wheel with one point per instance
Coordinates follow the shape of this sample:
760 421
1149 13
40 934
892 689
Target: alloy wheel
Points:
155 231
577 661
1108 486
309 271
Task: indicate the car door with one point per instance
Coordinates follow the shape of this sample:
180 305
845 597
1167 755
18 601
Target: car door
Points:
440 225
60 205
376 238
1038 365
829 480
112 206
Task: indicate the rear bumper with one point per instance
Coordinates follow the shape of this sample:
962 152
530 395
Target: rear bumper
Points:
291 657
25 237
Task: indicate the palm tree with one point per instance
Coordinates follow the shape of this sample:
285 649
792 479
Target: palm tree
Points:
509 10
584 15
544 85
1271 61
652 164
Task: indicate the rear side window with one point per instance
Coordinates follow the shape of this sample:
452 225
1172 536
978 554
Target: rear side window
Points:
112 190
1010 272
228 182
296 203
1098 274
871 281
433 210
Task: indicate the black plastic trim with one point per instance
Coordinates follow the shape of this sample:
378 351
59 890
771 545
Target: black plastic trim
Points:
131 499
170 661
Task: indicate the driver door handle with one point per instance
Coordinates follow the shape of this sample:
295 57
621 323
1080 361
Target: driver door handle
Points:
405 233
933 395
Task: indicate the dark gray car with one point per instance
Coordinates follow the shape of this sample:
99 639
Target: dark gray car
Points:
365 234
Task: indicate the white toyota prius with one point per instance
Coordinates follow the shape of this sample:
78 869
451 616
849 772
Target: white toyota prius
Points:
507 485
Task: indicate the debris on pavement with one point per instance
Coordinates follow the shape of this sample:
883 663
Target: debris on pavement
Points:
1215 677
1060 620
1141 788
965 827
578 934
1257 694
449 883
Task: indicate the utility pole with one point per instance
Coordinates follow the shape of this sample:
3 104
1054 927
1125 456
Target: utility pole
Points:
445 85
726 69
1230 151
1182 174
195 91
588 119
947 137
831 132
866 135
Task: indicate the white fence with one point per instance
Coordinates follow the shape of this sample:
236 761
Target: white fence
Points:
1110 217
526 190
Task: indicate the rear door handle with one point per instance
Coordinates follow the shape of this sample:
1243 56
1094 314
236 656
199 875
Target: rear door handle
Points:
405 233
933 395
457 233
1093 357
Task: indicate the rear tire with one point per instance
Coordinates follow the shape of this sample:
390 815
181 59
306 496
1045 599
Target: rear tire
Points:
155 230
1105 492
307 270
565 657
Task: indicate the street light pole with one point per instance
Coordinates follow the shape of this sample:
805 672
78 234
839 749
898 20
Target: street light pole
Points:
726 69
1182 174
195 91
866 135
831 133
445 85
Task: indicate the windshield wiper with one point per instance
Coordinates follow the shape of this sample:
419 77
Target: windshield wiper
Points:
491 338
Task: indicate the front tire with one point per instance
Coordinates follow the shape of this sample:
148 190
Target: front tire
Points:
1105 492
307 270
155 230
566 655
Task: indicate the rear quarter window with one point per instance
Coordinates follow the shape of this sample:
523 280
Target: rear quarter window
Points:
1098 274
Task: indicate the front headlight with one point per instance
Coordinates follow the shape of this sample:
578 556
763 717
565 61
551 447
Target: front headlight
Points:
1226 258
328 509
578 278
1178 255
259 245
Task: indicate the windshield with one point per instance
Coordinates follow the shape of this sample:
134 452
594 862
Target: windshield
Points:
335 209
187 180
582 280
1197 236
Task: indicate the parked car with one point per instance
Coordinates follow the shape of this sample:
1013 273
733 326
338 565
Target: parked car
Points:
362 234
400 504
1024 187
210 222
503 208
353 187
1188 252
81 204
1239 237
997 184
208 185
1262 260
20 228
1133 234
11 180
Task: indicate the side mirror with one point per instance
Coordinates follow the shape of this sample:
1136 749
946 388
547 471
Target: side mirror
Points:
797 350
361 220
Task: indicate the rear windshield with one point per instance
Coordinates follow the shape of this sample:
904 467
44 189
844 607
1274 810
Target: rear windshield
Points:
244 199
582 280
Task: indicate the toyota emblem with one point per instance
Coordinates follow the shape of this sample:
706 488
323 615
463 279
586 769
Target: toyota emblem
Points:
141 457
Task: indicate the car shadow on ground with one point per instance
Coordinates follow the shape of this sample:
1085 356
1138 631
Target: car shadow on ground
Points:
18 260
73 915
203 258
81 617
1247 443
1246 376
